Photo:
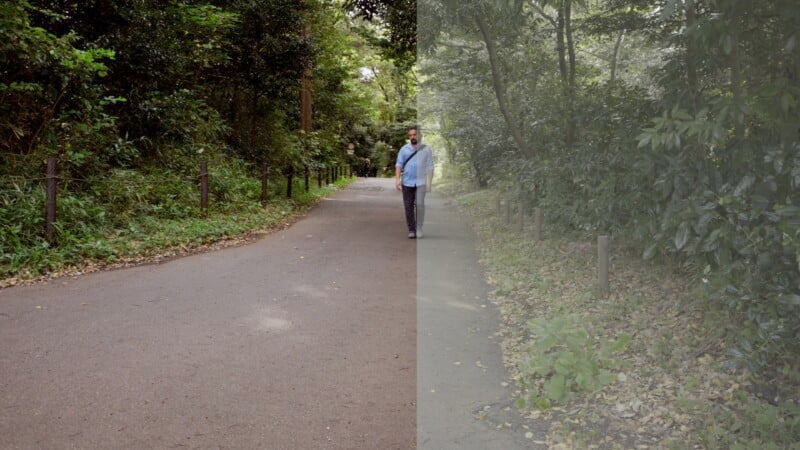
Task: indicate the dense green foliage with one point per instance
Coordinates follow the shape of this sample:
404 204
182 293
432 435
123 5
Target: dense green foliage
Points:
131 96
672 124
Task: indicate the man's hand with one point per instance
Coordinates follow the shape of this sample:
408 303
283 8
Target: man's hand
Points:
398 185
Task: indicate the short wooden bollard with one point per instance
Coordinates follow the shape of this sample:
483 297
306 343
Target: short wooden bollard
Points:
319 178
602 264
50 205
204 187
307 174
327 176
537 224
264 185
289 182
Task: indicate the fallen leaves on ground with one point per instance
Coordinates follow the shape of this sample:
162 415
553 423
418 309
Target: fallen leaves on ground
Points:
671 387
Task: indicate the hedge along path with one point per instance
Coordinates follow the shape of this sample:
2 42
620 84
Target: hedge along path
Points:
657 355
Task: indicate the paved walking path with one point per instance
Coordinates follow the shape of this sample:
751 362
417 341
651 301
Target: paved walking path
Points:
461 401
309 338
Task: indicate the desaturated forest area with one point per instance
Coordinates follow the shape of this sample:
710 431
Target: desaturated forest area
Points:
674 127
131 96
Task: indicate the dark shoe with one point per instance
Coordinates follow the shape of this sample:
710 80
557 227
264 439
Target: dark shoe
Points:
412 235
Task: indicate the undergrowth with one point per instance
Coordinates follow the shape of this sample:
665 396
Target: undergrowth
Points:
645 366
130 215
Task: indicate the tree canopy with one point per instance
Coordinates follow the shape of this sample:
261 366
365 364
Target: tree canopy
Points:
128 94
673 123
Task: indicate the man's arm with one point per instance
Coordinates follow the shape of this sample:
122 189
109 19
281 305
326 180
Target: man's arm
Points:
397 179
429 177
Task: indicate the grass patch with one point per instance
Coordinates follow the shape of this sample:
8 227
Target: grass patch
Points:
89 238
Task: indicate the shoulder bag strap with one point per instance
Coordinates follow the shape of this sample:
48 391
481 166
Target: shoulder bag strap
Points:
409 159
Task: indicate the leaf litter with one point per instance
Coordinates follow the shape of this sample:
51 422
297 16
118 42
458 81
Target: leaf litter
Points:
668 386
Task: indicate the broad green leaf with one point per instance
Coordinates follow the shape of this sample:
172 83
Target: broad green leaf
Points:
556 388
650 251
682 236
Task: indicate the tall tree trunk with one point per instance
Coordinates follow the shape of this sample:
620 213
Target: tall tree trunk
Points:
305 89
570 43
737 87
615 55
500 89
691 54
253 140
561 46
572 121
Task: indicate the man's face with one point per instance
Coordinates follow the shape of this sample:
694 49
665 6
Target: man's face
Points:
412 136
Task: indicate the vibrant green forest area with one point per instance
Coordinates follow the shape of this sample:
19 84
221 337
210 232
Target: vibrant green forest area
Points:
670 124
131 96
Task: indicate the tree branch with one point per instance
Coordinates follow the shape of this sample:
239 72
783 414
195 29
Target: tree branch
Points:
542 13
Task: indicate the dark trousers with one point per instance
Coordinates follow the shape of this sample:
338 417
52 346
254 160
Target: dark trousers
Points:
414 202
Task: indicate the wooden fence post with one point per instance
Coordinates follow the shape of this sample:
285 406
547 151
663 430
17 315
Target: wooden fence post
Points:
602 264
204 187
520 210
50 205
264 184
289 182
308 188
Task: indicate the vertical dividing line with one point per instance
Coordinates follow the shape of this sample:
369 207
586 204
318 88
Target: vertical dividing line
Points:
508 211
537 224
50 205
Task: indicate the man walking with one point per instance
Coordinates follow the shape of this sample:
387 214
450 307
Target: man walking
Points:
413 176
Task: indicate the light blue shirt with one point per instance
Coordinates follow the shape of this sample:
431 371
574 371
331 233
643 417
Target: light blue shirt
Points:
417 168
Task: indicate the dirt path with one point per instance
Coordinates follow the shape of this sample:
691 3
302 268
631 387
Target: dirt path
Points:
305 339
